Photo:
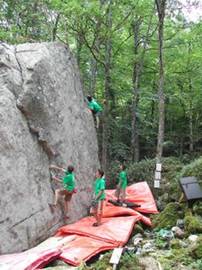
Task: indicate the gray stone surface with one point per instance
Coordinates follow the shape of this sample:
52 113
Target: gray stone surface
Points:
44 120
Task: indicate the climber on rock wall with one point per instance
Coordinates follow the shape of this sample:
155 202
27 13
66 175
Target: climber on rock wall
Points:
98 197
95 108
68 187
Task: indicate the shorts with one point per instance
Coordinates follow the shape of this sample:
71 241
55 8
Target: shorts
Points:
120 193
67 194
98 209
96 113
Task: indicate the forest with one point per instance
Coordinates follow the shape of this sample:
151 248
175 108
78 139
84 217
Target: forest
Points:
140 59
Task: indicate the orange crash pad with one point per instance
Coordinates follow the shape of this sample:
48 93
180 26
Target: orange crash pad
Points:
138 193
82 249
112 230
109 210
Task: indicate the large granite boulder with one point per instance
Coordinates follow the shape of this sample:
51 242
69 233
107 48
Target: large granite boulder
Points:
44 120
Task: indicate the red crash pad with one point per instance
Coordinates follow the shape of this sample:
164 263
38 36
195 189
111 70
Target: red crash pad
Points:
109 210
138 193
28 260
82 249
112 230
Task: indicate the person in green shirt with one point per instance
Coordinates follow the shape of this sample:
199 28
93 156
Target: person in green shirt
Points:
68 189
98 197
122 184
95 108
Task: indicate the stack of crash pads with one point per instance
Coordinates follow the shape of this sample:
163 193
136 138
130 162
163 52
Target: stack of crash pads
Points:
78 242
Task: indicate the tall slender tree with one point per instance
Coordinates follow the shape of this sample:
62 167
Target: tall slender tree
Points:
161 7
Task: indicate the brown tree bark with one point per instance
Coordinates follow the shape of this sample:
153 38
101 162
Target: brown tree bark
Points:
137 72
55 27
191 133
161 6
107 90
136 76
93 76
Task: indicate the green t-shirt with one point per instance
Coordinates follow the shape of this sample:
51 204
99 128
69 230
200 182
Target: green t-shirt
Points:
99 185
123 179
69 181
94 106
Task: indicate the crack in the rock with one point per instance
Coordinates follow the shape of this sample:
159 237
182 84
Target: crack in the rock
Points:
24 219
19 64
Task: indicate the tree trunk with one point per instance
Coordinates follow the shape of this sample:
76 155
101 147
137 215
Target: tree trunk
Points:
135 100
137 72
191 136
55 28
93 76
78 49
190 111
161 5
107 90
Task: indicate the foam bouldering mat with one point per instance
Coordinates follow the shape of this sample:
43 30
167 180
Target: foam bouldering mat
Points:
112 230
110 210
82 249
138 193
28 260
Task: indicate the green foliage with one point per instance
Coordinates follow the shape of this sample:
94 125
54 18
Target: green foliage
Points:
127 262
144 170
193 223
168 217
193 169
197 208
177 258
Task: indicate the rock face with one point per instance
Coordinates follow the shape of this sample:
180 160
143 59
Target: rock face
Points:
44 120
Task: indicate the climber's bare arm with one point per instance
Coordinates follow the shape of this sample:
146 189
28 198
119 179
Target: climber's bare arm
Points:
57 168
56 179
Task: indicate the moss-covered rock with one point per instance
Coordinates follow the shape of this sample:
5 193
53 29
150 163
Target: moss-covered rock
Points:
193 223
168 217
196 250
197 208
175 244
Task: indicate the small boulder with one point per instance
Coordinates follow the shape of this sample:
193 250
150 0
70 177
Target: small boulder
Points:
196 249
180 223
179 233
193 238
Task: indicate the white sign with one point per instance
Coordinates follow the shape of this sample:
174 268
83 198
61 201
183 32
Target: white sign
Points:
158 167
156 183
116 255
157 175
